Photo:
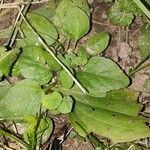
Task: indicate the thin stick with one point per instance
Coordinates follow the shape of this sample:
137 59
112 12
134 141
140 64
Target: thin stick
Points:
18 23
15 25
142 7
50 51
17 4
2 1
13 137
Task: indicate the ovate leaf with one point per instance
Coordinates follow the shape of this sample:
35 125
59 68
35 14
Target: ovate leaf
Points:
35 71
42 26
121 14
143 42
65 5
52 101
21 99
75 23
97 43
101 75
36 64
66 105
101 117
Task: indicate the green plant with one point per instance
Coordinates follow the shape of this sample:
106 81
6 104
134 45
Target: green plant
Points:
90 89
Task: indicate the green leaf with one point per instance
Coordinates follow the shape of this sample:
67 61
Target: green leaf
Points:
66 105
21 99
40 132
35 71
65 79
66 5
51 62
97 43
6 60
75 23
83 56
40 55
110 118
101 75
36 64
3 90
52 101
42 26
121 14
122 100
143 41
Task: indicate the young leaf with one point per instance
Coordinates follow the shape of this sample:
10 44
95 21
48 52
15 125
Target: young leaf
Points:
121 14
83 56
52 101
6 60
75 23
65 79
104 77
97 43
144 42
42 26
66 105
112 123
21 99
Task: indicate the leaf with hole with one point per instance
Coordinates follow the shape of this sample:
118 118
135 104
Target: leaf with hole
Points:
110 118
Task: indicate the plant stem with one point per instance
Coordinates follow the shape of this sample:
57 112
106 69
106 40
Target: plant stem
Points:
13 137
142 7
50 51
140 66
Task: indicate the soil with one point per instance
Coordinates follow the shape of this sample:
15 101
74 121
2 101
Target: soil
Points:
122 49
